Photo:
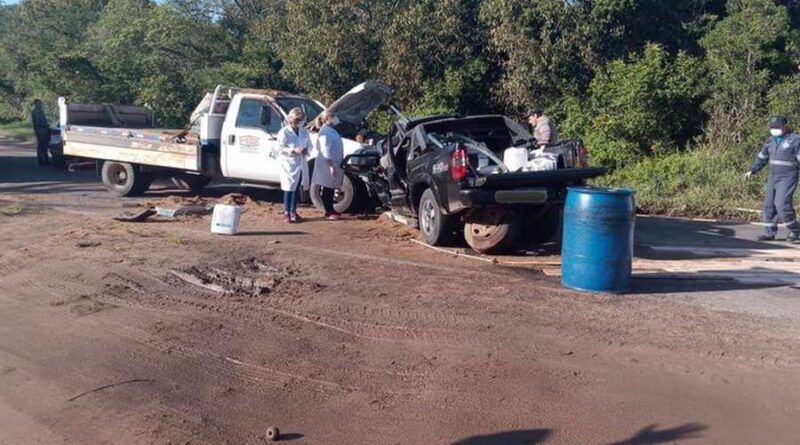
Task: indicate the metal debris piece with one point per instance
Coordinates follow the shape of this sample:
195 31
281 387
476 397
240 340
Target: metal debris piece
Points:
136 217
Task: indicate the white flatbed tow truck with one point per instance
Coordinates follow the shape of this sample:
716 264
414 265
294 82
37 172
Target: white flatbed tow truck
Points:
232 134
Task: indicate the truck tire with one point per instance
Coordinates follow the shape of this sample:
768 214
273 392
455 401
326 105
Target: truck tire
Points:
436 227
347 199
491 230
193 183
123 179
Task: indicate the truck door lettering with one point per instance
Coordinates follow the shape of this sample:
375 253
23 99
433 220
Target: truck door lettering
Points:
248 144
440 167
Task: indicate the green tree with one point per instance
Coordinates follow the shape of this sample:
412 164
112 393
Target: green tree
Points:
648 105
743 50
42 49
538 47
327 47
152 54
432 52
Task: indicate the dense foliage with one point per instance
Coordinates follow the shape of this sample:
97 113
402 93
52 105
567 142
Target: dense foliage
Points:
657 88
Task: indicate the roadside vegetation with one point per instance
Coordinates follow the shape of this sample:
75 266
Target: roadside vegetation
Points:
17 129
673 97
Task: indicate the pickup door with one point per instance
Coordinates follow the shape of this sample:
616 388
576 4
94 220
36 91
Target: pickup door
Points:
249 140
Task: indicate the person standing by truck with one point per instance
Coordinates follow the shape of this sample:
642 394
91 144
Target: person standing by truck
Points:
544 130
328 172
294 145
42 130
782 152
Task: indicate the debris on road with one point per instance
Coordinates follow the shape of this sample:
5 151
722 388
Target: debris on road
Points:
136 217
273 434
84 244
187 210
127 382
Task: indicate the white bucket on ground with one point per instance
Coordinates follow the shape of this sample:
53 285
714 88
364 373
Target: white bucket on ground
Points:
515 158
225 220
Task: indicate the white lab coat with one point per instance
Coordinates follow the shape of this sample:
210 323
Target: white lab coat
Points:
329 148
293 165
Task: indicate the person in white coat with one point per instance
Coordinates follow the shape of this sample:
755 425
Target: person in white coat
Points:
328 173
294 145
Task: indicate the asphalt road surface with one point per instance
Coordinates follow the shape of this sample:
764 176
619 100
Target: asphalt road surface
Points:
351 333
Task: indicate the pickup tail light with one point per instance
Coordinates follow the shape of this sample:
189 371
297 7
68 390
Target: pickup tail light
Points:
459 164
583 156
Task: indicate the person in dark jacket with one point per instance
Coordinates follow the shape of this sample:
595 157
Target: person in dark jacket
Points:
42 130
782 152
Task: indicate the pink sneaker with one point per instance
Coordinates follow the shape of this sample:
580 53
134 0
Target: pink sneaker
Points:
294 218
287 218
333 217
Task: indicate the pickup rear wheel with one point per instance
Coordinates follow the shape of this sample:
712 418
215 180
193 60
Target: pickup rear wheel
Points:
436 227
491 230
123 179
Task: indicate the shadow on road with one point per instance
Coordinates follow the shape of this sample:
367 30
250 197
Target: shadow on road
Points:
647 435
272 233
651 435
519 437
24 170
686 282
661 238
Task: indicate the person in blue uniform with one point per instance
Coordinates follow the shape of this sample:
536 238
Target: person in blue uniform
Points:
782 153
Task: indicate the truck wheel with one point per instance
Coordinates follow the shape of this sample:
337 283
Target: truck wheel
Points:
346 199
436 227
193 183
123 179
491 230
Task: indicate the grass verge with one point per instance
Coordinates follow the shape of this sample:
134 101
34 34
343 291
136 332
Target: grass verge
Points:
12 209
21 130
699 183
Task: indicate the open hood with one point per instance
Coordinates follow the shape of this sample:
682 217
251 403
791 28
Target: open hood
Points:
357 103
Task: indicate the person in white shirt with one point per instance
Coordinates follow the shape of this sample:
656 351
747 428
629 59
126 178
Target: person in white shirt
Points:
328 173
294 145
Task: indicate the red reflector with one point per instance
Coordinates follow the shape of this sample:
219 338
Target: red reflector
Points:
459 164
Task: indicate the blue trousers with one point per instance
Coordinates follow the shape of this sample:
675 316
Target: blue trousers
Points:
778 202
290 198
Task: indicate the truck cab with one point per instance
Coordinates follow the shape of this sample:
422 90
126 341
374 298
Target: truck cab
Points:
248 137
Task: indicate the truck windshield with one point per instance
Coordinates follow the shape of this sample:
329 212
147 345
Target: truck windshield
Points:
311 108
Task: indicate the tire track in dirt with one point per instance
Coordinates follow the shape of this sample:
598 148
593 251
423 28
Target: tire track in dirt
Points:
335 320
216 366
21 258
428 380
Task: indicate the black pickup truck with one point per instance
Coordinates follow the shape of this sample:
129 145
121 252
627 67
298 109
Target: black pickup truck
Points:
445 174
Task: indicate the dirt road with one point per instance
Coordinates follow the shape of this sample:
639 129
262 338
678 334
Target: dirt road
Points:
349 333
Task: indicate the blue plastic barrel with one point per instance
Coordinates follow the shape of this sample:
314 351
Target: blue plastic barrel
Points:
597 246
